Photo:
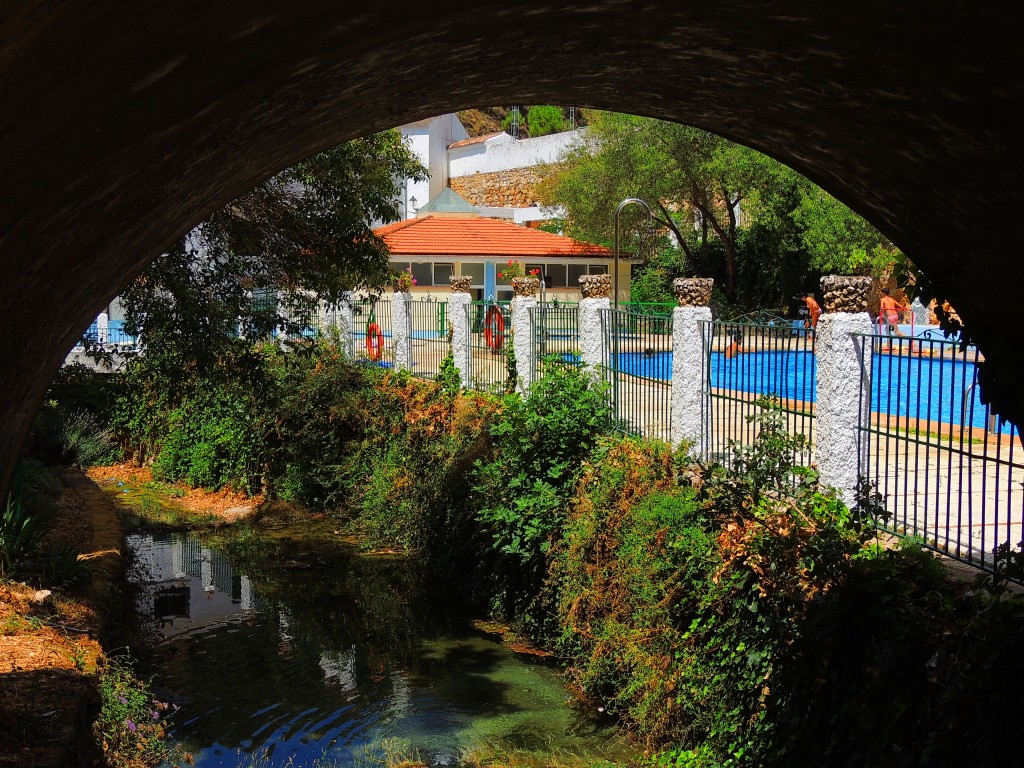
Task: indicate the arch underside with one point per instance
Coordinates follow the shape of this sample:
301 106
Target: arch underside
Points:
124 126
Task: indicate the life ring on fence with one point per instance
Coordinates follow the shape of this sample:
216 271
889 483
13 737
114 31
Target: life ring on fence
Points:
374 341
494 328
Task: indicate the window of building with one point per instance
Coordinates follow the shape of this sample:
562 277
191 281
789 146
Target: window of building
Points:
442 272
422 273
557 274
599 269
573 274
474 271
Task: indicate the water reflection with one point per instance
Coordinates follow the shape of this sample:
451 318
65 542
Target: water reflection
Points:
294 651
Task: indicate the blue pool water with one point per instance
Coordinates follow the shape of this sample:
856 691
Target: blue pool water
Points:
921 388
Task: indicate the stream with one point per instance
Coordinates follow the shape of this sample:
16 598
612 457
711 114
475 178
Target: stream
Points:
305 653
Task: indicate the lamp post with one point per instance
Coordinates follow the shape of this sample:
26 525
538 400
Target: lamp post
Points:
615 273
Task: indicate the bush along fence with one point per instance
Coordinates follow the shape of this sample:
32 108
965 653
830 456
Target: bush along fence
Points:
900 413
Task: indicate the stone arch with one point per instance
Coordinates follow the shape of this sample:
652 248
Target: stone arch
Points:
124 126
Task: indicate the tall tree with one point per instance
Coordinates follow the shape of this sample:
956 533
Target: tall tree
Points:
307 230
704 190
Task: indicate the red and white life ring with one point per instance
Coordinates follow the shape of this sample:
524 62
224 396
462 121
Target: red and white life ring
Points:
374 341
494 328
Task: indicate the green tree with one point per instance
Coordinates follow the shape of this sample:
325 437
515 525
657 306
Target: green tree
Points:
709 195
306 231
544 119
200 308
837 239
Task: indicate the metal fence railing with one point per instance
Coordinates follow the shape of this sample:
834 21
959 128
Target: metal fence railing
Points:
490 326
372 321
556 335
113 336
947 470
638 369
430 338
747 362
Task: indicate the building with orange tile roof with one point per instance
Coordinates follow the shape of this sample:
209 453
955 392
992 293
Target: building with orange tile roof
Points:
450 237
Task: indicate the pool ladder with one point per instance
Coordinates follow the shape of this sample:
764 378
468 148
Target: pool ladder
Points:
993 418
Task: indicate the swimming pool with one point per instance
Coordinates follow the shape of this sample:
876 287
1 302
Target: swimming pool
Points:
908 386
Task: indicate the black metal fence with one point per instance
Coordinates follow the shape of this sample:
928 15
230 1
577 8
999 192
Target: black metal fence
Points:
113 336
948 471
556 335
638 369
490 326
748 362
372 331
429 337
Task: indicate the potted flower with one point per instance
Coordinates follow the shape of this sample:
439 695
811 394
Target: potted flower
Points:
522 284
404 281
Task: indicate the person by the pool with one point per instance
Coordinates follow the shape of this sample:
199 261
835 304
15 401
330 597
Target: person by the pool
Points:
813 310
736 347
889 314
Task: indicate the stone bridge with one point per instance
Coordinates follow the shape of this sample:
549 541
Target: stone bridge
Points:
124 125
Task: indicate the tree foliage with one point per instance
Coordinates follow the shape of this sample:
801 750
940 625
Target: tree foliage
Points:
307 230
723 206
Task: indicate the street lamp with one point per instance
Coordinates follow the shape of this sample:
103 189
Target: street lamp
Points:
650 224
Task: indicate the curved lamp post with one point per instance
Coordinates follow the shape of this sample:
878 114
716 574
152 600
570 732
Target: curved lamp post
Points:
650 223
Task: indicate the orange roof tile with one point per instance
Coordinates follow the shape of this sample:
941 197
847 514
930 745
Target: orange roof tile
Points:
474 140
477 236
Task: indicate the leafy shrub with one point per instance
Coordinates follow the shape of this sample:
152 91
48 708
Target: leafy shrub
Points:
540 445
418 474
638 549
215 439
678 603
323 426
544 119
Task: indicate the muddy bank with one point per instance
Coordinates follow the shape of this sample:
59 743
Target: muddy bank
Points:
50 637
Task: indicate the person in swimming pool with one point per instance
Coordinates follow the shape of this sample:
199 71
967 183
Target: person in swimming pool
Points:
736 347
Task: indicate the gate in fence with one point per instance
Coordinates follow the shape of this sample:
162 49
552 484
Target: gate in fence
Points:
747 364
638 368
556 336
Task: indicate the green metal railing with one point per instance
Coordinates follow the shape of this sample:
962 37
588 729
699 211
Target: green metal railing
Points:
556 336
637 367
373 314
746 362
489 341
429 339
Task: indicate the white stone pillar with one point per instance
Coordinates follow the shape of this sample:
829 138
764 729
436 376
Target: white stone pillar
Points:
595 290
345 322
689 359
401 329
102 328
525 299
843 382
458 315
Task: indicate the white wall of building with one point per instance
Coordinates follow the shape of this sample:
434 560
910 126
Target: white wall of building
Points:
418 137
429 140
505 155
